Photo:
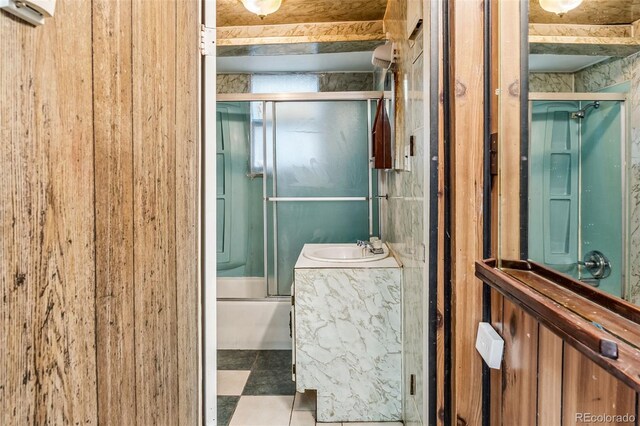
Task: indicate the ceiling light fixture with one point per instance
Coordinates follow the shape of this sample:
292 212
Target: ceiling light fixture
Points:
262 8
559 7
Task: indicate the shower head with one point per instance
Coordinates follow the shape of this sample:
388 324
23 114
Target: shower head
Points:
581 113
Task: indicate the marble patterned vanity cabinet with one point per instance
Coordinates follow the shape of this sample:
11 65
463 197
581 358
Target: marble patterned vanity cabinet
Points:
347 338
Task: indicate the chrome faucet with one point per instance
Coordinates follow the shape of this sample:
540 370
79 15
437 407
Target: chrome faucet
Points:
367 245
364 244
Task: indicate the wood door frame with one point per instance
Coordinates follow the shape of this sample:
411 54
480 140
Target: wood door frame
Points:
432 81
208 308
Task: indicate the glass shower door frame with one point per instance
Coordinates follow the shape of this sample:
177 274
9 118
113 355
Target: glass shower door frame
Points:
270 120
269 101
625 150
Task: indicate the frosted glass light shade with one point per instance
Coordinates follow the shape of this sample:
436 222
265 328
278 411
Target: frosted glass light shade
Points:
559 6
262 8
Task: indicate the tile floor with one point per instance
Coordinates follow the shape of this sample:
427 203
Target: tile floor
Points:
255 389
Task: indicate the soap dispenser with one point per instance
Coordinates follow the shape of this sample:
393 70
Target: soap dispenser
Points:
376 245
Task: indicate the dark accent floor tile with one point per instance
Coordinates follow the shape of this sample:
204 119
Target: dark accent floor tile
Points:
270 382
236 359
226 407
273 360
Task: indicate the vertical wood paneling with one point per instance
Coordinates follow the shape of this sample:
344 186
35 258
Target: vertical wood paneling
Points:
519 392
64 276
99 215
154 133
590 389
47 252
440 302
187 207
497 321
21 174
467 217
114 211
494 119
550 353
509 38
519 396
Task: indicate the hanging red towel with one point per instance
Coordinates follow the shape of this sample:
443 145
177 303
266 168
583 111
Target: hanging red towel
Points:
381 133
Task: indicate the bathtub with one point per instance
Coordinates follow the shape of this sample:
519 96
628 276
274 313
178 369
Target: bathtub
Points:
248 319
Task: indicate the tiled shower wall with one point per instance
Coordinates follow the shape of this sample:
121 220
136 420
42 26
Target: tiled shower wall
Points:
403 212
327 82
550 82
593 79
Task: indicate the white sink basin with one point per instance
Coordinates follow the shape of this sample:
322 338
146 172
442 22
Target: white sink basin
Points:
343 253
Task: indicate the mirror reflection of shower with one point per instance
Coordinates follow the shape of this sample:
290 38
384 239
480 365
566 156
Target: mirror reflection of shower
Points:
576 183
583 112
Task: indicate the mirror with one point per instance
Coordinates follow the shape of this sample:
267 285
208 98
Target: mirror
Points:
583 210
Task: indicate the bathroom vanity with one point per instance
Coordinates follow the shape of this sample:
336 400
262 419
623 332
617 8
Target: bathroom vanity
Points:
347 332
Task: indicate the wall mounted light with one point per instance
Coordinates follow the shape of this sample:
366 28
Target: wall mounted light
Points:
32 11
262 8
559 7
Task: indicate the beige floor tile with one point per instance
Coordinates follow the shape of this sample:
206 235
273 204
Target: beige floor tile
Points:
305 401
373 424
263 411
231 382
302 418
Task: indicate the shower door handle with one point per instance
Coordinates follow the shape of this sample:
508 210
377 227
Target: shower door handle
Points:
298 199
597 264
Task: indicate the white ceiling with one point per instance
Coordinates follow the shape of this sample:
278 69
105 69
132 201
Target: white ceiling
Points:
562 63
323 62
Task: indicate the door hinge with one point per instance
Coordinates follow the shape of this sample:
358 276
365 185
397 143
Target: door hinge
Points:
494 154
207 41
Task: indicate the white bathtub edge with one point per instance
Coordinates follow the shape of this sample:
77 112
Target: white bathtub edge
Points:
254 324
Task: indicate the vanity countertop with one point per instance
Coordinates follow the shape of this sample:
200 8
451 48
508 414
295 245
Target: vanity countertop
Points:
306 263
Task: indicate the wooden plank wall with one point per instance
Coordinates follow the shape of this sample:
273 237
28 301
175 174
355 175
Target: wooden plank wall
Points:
520 332
441 403
47 254
99 209
114 234
553 390
467 134
587 388
187 200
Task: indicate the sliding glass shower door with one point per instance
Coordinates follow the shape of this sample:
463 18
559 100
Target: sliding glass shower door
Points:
318 182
